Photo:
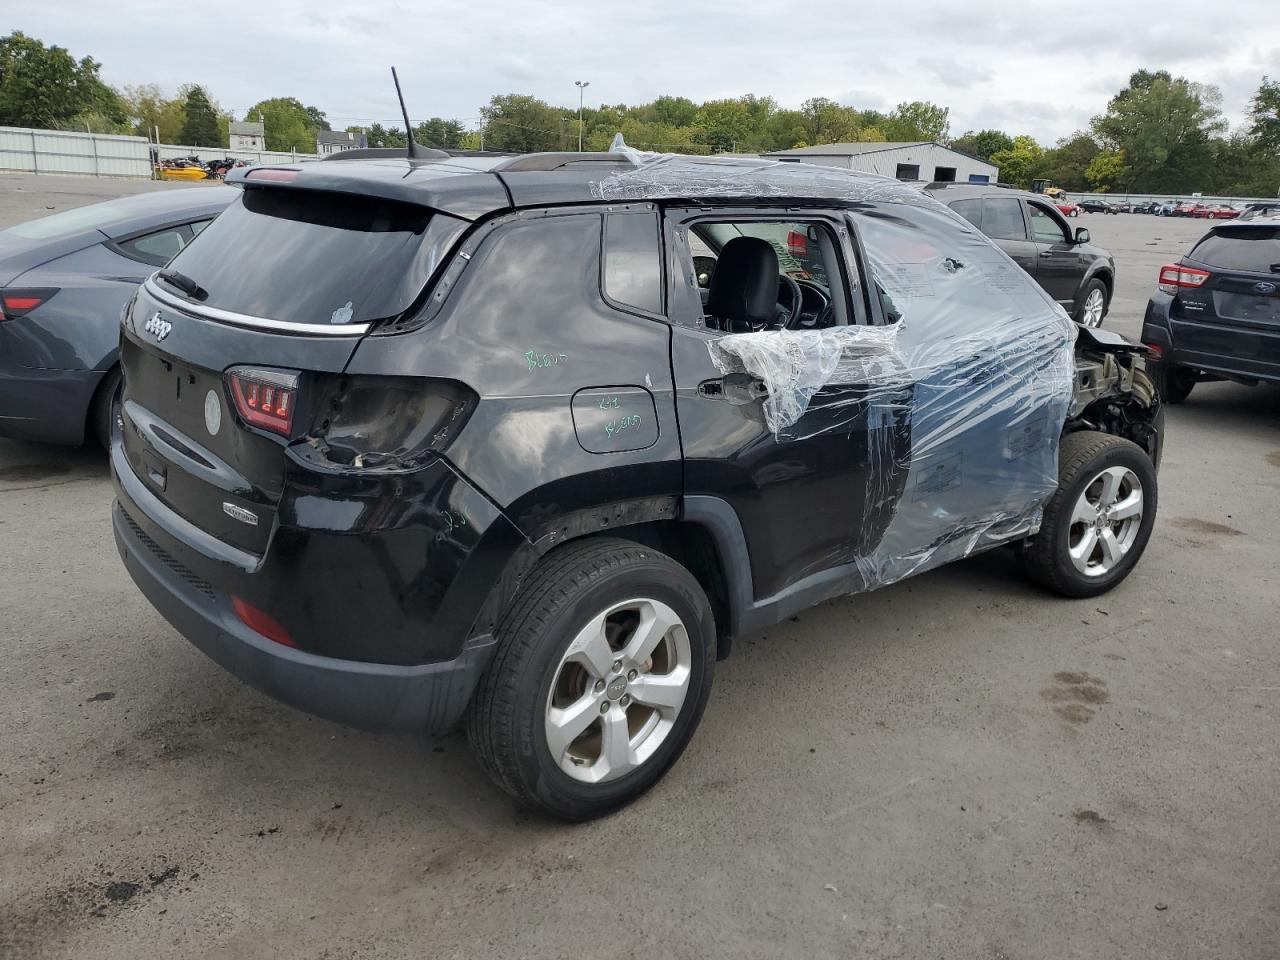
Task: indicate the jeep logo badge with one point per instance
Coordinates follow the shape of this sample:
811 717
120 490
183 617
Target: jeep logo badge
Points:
157 326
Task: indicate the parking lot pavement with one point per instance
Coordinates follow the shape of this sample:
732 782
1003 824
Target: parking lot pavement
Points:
957 766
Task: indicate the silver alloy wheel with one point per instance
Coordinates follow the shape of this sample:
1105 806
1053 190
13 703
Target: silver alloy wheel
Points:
1091 315
1105 521
618 690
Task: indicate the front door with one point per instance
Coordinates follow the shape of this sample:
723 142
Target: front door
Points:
811 492
1059 266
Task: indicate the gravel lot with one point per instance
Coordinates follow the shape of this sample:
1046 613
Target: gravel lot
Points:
958 766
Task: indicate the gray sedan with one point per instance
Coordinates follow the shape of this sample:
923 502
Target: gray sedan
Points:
64 280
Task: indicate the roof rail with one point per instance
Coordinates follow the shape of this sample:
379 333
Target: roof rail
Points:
556 161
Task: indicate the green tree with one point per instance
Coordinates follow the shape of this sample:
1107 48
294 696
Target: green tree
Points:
726 124
316 119
439 133
1019 163
43 86
289 124
1164 126
1264 114
200 128
983 143
1066 164
675 111
520 123
918 120
1106 169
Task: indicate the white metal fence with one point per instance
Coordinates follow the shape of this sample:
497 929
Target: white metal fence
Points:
59 151
107 155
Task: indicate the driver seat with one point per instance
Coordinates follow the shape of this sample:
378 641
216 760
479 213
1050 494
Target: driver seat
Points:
743 294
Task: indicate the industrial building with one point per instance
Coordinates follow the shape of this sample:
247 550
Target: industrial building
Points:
929 161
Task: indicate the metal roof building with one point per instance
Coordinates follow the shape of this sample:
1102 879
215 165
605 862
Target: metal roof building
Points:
927 160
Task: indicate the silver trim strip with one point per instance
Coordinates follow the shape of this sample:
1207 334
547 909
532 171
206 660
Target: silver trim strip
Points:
259 323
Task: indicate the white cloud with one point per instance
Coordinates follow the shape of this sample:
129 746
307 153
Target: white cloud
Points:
1001 63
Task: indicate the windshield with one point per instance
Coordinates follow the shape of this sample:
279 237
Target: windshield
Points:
309 257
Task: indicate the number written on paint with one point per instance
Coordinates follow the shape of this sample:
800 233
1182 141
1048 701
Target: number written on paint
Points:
615 427
537 360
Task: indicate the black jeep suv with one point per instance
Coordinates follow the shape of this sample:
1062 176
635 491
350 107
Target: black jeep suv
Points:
1029 228
532 440
1215 314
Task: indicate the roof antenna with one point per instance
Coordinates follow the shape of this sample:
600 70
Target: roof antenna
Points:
415 152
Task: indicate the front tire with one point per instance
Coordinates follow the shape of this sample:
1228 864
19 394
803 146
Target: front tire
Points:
603 668
1097 524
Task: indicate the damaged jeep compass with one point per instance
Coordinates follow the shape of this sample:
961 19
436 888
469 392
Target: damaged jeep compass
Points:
526 442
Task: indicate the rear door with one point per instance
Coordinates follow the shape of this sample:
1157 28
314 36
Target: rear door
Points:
1235 312
816 493
1003 222
279 290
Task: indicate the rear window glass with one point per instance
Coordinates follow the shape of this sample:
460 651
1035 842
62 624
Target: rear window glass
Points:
309 257
971 210
1255 249
68 223
632 269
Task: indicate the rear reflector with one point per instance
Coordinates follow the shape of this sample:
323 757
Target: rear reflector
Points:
18 302
1175 276
259 621
265 398
276 176
1154 351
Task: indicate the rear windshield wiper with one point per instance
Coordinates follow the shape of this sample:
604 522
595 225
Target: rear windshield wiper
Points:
185 284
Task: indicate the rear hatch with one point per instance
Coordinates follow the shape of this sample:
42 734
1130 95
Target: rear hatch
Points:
1228 295
279 290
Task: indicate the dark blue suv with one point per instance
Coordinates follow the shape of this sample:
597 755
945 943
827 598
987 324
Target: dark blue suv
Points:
1216 312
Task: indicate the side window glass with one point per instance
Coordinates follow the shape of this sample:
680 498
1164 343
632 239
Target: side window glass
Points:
632 261
768 275
198 226
1002 219
1045 226
971 210
157 248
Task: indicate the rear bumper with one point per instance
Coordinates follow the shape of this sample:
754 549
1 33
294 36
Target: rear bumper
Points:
47 406
1236 355
370 696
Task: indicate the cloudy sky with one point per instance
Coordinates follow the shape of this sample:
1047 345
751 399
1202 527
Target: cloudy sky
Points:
1022 66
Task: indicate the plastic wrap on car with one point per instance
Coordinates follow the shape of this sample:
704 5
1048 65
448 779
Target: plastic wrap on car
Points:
975 357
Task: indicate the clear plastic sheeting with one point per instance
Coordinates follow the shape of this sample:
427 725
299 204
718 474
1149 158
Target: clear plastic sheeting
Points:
961 397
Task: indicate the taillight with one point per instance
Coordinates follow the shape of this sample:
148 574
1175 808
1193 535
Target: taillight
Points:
261 622
265 398
1154 351
1175 276
385 423
18 302
797 244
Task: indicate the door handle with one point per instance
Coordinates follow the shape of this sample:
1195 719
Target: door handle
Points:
737 388
1046 253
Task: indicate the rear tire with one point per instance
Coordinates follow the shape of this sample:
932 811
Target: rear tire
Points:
603 667
102 411
1174 383
1097 524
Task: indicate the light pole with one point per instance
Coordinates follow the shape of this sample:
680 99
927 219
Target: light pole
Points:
582 86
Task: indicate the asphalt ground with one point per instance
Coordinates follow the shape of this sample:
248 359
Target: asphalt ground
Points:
958 766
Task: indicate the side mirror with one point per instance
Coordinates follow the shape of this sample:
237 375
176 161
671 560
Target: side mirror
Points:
1082 235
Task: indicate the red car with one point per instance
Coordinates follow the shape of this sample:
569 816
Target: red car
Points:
1221 212
1069 208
